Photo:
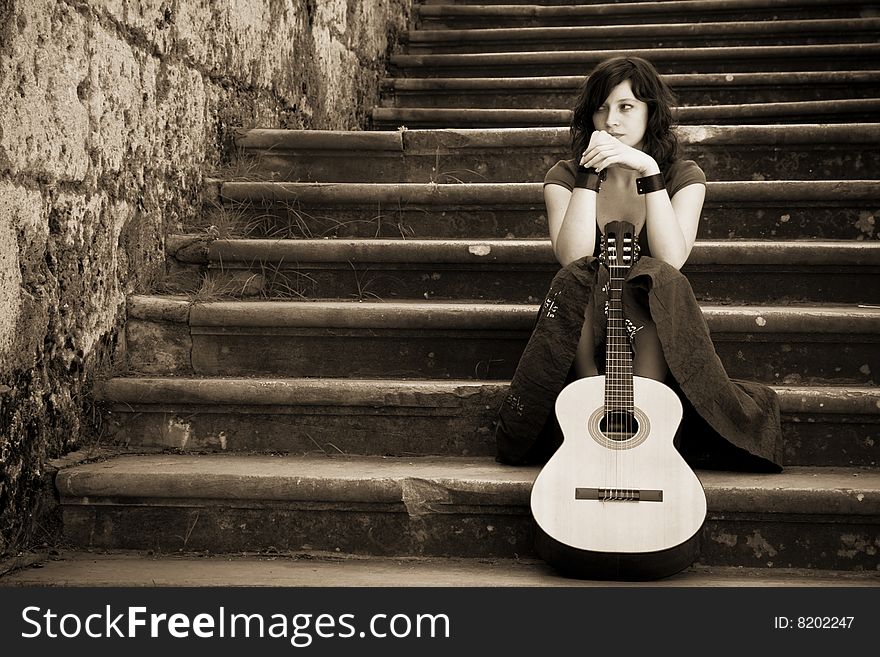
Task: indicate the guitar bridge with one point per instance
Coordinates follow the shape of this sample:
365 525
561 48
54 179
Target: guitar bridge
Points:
618 494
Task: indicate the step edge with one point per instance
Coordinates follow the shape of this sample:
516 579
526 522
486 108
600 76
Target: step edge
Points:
486 316
453 9
534 57
342 252
323 140
831 491
426 393
841 105
669 30
528 193
304 568
674 80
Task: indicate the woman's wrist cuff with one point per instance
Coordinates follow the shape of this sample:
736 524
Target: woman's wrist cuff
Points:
648 184
588 178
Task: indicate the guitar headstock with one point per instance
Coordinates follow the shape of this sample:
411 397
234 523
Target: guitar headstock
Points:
620 245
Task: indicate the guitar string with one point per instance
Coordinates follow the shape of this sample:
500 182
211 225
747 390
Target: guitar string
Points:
612 411
619 395
617 363
622 341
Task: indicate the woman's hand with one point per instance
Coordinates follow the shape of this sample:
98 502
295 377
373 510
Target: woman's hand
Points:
605 150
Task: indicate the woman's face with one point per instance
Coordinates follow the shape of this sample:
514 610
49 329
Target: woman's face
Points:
623 115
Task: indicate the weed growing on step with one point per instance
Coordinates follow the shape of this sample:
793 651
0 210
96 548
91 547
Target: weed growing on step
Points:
449 177
241 166
240 220
288 220
299 224
308 225
269 224
272 223
362 287
221 220
211 289
189 529
405 230
103 425
256 279
289 284
446 176
177 281
378 222
320 448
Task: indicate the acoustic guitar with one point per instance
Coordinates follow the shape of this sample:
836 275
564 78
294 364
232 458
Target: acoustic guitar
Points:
617 501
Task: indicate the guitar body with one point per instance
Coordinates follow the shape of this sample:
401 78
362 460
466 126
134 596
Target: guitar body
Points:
618 538
617 500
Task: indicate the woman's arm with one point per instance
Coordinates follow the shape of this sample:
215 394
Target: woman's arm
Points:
671 223
572 220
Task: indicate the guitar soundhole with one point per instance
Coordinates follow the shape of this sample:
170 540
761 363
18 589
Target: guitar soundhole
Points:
619 425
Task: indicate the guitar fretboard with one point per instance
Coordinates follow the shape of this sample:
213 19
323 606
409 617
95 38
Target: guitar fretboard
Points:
618 354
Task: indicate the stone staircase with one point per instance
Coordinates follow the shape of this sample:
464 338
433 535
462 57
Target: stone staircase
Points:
321 371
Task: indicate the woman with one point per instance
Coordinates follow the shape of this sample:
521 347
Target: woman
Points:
626 168
621 126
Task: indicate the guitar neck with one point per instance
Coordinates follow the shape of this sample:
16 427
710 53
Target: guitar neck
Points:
618 353
620 250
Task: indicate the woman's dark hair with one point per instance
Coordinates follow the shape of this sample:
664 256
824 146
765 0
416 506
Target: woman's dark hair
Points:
659 141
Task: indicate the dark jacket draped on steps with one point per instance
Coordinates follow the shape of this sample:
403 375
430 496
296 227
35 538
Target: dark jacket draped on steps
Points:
728 423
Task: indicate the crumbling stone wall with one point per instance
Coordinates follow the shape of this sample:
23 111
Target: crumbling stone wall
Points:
111 114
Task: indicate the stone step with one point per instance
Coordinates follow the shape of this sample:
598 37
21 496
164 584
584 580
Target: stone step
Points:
822 425
828 111
478 13
750 152
822 518
720 59
138 568
491 39
793 345
561 91
515 271
792 210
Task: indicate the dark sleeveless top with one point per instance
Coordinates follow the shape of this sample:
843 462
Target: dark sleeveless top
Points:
678 175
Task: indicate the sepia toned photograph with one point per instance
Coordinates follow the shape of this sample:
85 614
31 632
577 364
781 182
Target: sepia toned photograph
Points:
438 294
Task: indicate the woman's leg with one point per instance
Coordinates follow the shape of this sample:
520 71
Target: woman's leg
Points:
584 357
648 360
